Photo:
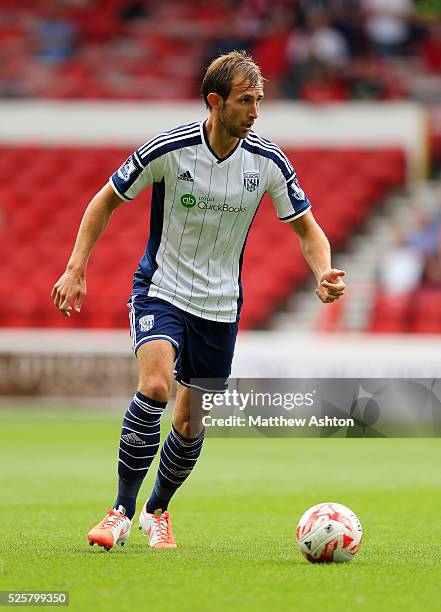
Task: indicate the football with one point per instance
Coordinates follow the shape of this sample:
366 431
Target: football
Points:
329 532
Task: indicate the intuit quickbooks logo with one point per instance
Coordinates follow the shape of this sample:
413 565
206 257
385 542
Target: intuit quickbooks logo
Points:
222 207
188 200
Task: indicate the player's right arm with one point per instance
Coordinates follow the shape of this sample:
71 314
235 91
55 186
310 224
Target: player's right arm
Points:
142 168
70 289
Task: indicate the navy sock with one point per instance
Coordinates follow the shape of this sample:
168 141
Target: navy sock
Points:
178 458
139 443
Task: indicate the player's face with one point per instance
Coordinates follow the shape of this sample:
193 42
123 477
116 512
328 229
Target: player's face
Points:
240 110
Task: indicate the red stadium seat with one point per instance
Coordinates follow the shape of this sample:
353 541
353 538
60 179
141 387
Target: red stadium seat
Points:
391 313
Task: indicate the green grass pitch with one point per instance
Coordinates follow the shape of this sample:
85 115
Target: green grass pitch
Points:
234 521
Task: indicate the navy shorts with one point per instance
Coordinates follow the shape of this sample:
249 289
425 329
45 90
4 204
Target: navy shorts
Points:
204 348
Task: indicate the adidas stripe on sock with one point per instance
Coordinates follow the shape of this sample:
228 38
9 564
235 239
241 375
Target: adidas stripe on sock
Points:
177 460
139 443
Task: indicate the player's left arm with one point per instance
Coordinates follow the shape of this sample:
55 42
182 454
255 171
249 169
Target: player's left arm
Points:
317 253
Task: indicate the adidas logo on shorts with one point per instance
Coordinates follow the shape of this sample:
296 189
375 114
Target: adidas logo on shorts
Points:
185 176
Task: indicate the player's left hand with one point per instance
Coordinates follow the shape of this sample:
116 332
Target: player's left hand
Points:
331 286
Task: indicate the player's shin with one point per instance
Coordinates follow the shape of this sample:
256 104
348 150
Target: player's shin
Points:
177 460
139 443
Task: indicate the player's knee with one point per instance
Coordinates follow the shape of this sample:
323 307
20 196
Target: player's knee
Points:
158 389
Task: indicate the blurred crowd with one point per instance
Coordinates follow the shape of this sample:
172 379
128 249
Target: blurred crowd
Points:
312 50
414 260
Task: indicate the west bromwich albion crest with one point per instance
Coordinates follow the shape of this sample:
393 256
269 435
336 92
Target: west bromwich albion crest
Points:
146 323
251 180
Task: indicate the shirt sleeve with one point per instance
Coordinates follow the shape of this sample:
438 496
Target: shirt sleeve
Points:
288 197
135 175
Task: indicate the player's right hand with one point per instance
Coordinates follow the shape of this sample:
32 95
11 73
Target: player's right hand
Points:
69 290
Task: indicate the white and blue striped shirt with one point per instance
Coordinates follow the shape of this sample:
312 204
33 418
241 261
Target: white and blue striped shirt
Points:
202 209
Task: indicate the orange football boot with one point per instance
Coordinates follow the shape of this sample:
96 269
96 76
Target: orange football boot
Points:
113 529
157 528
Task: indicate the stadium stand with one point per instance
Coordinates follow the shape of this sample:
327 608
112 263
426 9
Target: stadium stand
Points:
415 306
41 215
144 50
110 50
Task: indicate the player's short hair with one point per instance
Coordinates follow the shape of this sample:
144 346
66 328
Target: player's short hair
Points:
221 71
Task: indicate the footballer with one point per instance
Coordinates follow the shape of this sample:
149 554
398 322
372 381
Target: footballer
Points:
208 179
